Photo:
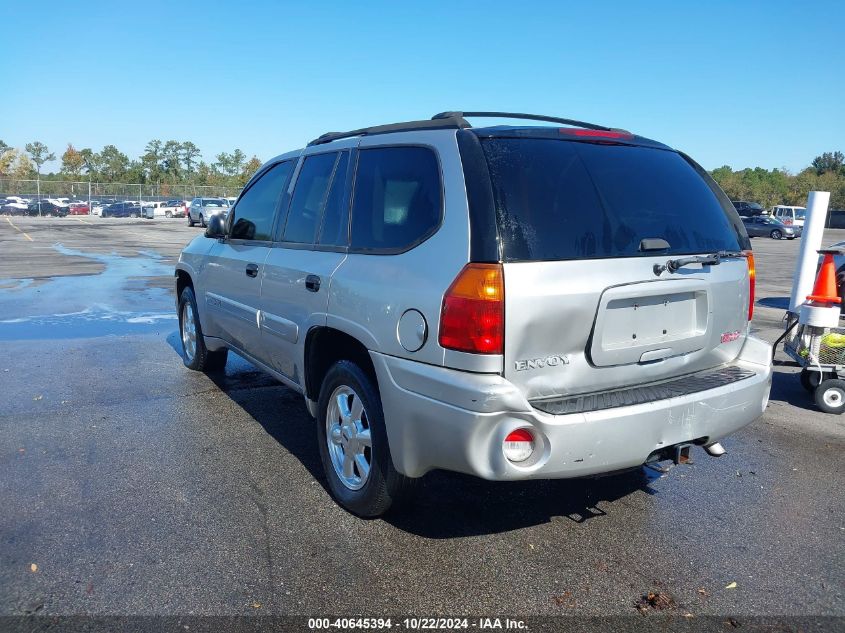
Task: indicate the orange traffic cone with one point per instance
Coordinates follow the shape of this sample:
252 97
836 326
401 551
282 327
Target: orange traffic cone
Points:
825 289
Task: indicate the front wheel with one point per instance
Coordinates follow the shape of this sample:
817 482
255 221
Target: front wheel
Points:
830 395
776 235
168 214
195 354
190 220
353 443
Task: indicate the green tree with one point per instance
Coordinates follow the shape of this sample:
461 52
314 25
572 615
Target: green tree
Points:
39 154
152 160
114 163
829 161
189 155
248 170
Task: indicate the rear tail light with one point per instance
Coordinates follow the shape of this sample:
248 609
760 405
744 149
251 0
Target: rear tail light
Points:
518 445
752 280
472 318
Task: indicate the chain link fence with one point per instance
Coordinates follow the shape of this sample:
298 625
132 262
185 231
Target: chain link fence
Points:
111 191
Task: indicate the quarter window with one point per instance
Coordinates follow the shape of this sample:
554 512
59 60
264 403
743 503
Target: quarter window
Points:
308 197
256 209
397 200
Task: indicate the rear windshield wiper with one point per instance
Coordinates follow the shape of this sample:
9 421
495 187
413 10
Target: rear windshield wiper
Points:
713 259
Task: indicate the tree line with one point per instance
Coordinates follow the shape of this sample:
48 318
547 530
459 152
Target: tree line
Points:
170 162
175 162
779 186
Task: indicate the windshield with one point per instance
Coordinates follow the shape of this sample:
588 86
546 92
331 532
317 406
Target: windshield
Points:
560 200
213 202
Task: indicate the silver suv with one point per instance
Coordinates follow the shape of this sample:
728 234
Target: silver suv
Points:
202 209
512 302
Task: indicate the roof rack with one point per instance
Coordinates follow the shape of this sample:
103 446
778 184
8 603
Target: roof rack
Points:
519 115
450 121
442 123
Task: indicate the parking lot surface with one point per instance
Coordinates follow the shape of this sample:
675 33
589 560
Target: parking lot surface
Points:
130 485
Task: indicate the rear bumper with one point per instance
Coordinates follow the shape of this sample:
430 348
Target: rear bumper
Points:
443 418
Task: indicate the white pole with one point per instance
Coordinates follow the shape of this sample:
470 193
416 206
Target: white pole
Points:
811 241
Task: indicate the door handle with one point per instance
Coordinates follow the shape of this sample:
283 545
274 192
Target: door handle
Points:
312 283
252 270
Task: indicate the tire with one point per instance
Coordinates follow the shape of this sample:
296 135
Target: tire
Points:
811 379
168 214
190 220
103 214
202 221
791 238
776 234
195 354
830 395
368 494
133 215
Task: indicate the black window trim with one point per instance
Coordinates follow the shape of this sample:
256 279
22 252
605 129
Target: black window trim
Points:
346 200
428 234
255 178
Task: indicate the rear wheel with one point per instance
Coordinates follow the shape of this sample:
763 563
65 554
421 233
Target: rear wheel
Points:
776 234
195 354
830 395
353 443
168 214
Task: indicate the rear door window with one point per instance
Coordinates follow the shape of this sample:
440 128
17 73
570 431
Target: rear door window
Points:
558 200
309 195
397 200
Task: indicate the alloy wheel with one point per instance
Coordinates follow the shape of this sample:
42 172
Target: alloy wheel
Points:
348 437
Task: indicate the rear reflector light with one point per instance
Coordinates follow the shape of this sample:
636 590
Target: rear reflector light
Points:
518 445
472 318
596 133
752 281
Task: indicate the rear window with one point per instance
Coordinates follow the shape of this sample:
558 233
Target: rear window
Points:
559 200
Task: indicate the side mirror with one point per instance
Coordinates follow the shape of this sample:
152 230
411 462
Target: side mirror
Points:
216 226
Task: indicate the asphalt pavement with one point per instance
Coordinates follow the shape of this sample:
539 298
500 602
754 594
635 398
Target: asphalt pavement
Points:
131 485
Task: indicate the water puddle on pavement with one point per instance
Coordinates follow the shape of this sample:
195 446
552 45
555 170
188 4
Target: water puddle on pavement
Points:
119 300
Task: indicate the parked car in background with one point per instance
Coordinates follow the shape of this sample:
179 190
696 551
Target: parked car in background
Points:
47 209
79 208
789 215
12 206
150 210
764 226
748 209
201 209
176 208
122 210
231 200
19 200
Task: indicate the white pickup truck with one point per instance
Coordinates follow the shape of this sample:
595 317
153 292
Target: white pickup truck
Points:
166 209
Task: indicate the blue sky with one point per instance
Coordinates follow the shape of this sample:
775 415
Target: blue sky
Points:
737 83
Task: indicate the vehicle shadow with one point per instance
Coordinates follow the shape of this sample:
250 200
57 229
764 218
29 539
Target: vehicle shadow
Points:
449 505
786 388
442 504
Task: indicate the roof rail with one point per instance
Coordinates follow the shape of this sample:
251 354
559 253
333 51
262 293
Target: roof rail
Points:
451 121
518 115
440 123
